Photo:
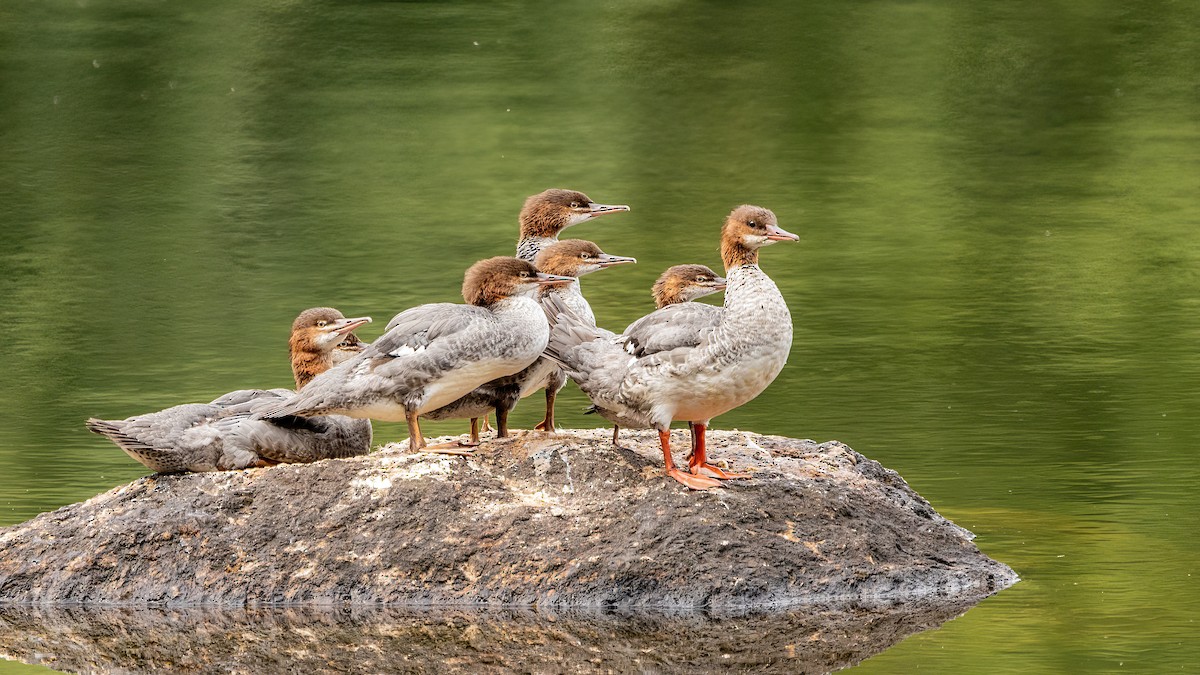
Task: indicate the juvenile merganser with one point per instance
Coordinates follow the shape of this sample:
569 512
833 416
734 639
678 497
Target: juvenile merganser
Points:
732 362
433 354
684 325
547 213
221 435
542 218
568 258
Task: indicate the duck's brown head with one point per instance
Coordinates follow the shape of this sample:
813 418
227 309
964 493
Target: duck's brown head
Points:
349 347
548 213
321 338
747 229
490 281
684 283
575 258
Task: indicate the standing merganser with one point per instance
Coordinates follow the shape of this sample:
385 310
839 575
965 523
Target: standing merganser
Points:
568 258
542 218
221 435
684 325
433 354
731 363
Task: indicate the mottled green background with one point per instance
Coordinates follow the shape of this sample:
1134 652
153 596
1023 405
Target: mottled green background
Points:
995 292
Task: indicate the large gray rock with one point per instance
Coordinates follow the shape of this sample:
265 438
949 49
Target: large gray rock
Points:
553 521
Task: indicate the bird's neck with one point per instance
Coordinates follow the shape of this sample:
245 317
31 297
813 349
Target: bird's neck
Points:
736 254
531 245
307 364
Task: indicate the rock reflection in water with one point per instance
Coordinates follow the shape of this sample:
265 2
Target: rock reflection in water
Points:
313 640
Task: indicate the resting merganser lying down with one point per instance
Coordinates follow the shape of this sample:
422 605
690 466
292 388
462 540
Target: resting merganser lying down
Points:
731 363
221 436
433 354
683 325
568 258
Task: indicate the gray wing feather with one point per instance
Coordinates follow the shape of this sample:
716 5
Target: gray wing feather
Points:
683 325
297 439
209 437
420 343
243 396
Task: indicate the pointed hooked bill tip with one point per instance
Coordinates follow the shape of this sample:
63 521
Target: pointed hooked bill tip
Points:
544 279
601 209
779 234
346 325
607 260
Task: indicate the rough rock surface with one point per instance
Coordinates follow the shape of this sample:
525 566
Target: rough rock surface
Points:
560 520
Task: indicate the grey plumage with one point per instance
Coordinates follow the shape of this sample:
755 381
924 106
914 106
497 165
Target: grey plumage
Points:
225 433
222 436
422 347
715 361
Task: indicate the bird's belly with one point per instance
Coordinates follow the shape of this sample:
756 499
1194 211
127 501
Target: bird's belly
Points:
538 377
708 393
460 381
384 410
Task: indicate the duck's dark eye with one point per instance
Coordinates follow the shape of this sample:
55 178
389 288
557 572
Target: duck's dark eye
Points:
574 205
703 279
321 324
752 223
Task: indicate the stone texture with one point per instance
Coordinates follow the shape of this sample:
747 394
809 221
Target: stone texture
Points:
553 521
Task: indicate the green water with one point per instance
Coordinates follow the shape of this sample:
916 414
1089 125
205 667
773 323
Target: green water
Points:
995 292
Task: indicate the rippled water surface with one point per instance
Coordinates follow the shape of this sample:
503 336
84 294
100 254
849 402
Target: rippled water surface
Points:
995 292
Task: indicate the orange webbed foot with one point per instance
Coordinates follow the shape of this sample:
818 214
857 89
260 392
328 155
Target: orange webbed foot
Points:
692 481
716 472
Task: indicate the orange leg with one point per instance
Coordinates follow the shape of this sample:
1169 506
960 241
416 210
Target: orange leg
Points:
415 440
548 423
486 426
616 434
693 482
698 463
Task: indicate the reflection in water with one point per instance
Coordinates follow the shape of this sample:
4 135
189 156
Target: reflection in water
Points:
997 292
309 640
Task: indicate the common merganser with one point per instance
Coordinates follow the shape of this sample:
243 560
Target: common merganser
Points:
731 363
221 435
433 354
542 218
684 325
568 258
547 213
